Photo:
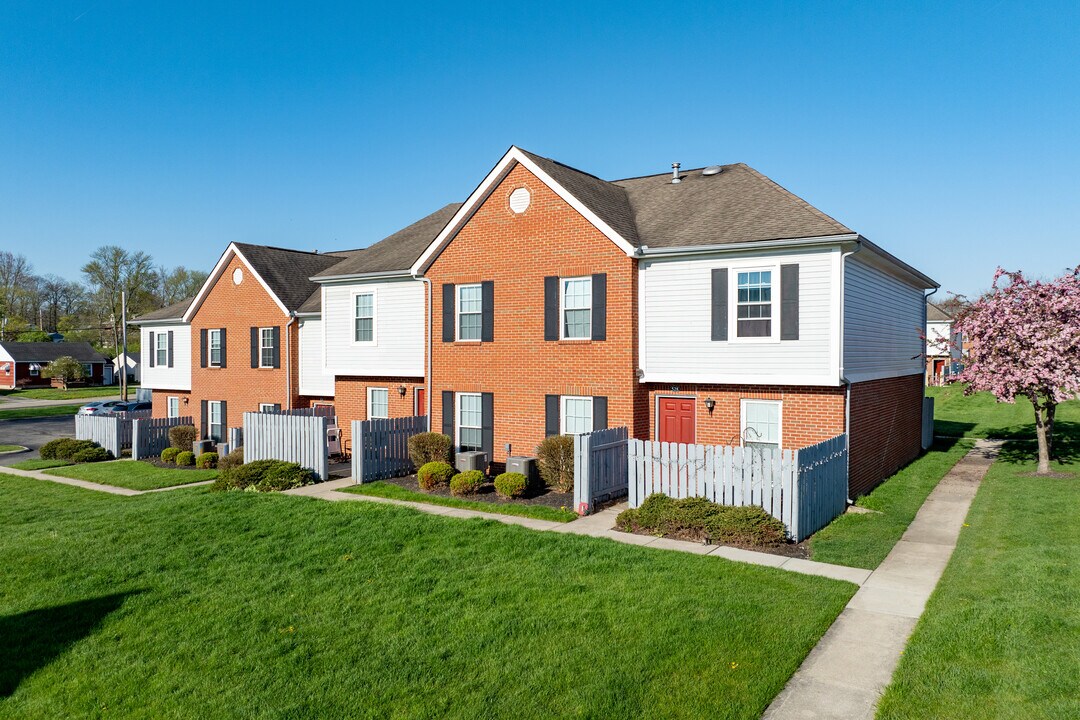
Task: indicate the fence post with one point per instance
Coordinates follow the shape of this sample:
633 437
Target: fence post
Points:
581 474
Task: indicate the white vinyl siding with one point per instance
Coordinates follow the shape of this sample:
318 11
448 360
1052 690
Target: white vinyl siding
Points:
173 407
470 306
576 415
378 402
314 379
399 322
761 423
160 377
675 316
576 308
470 419
882 324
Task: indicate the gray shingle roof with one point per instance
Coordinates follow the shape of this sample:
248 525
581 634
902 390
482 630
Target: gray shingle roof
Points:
287 271
42 352
172 312
936 314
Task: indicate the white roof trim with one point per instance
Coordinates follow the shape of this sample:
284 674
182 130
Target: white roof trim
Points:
513 156
215 275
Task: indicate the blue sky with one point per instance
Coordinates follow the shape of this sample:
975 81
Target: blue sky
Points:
944 132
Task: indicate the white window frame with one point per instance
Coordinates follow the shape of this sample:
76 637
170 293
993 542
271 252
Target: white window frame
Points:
374 316
35 371
370 393
210 336
211 406
161 349
266 407
458 407
458 313
172 406
563 281
263 347
779 419
563 414
733 303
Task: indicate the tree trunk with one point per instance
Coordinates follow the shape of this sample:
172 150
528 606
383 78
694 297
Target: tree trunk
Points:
1044 428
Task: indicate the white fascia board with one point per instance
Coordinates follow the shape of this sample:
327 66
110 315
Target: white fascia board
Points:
321 280
727 379
727 248
215 275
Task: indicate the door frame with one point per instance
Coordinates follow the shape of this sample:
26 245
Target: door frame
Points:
674 396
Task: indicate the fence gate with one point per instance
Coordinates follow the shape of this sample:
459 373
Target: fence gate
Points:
381 447
600 467
294 438
149 436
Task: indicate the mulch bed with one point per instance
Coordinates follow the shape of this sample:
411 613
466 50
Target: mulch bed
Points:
539 496
789 549
156 462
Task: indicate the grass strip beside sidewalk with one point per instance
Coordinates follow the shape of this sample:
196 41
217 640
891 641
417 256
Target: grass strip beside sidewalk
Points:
133 475
396 492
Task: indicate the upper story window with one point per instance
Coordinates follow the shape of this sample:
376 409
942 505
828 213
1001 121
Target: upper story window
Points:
470 305
577 415
577 308
161 349
213 339
266 347
754 304
364 314
761 423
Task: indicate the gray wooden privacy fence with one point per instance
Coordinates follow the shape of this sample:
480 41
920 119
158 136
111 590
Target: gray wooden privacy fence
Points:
112 432
317 411
294 438
927 422
380 448
149 436
805 489
600 467
236 438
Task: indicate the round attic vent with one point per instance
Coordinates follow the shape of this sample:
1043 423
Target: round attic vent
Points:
712 170
519 200
237 276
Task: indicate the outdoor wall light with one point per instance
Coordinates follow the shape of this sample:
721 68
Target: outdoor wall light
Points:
185 400
710 404
401 390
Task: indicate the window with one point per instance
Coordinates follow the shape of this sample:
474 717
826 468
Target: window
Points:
267 407
364 307
266 347
34 369
470 419
214 411
577 415
161 349
88 369
754 304
761 423
469 307
214 339
173 407
378 403
577 308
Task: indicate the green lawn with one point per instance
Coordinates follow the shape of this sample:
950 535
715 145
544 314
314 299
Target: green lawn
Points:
38 464
133 475
39 412
50 393
390 490
863 540
198 604
1000 638
11 448
980 415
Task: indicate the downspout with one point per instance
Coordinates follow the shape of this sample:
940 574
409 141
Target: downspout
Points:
843 374
926 299
427 360
288 361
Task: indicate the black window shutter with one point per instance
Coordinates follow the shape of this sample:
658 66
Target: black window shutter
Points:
276 333
551 415
599 413
599 306
487 311
487 430
254 347
204 429
448 330
448 414
719 304
789 302
277 407
551 308
153 350
224 421
202 348
170 348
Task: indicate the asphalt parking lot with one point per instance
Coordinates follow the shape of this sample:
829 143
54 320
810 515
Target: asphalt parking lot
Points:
33 433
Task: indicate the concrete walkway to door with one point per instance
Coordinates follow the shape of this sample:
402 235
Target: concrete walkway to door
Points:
843 677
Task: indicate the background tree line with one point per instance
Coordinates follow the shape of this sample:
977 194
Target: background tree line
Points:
88 309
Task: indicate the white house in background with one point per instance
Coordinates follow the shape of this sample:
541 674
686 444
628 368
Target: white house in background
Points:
134 371
943 346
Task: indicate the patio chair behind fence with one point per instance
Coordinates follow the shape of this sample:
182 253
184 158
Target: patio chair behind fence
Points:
380 448
294 438
149 436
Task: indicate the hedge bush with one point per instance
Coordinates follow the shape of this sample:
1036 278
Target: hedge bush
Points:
207 461
701 519
92 454
234 459
434 474
429 447
555 459
185 458
168 455
64 448
264 476
182 437
511 485
466 483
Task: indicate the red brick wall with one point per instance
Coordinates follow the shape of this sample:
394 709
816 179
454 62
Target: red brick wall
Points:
809 414
160 400
886 429
350 398
516 252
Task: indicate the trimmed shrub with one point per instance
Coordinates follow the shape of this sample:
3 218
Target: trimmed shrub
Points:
429 447
700 519
207 461
168 455
92 454
511 485
264 476
434 474
234 459
64 448
182 437
466 483
555 459
185 458
243 476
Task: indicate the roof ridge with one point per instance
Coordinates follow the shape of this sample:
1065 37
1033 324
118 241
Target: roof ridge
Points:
780 189
668 174
315 253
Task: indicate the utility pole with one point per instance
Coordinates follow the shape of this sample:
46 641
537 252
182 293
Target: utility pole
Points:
123 357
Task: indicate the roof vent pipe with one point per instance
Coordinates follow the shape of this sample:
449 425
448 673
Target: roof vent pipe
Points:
675 174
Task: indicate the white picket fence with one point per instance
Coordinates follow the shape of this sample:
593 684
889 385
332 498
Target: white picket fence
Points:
805 488
149 436
294 438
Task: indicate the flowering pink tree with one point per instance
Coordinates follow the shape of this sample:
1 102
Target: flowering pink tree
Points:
1025 341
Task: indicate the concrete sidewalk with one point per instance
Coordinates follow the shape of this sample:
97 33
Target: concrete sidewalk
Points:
845 674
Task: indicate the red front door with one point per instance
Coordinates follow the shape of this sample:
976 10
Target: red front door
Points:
421 401
675 422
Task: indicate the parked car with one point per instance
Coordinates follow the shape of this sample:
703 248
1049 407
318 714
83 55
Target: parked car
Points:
132 407
101 407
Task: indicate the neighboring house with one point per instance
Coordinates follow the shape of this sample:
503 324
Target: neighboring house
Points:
943 346
134 372
21 364
718 309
